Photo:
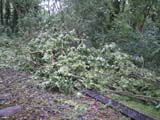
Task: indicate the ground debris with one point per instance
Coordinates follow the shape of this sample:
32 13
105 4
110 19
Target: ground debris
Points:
36 104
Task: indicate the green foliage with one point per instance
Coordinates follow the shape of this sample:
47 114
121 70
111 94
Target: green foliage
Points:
13 12
13 53
7 51
132 25
101 45
64 62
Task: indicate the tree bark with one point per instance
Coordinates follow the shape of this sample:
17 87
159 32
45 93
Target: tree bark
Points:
8 12
15 18
114 12
1 11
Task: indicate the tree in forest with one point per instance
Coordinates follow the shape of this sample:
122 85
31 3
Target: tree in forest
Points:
12 11
1 11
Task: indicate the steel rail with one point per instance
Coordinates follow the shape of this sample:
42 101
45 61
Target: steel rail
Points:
129 112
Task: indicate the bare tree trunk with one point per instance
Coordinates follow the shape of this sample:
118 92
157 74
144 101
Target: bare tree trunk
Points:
8 12
1 11
15 18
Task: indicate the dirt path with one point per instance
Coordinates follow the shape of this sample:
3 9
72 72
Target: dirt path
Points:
25 102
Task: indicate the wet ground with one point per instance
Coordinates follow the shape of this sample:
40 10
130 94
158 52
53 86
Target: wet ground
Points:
25 102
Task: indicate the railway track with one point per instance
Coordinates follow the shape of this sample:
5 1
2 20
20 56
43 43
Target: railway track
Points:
129 112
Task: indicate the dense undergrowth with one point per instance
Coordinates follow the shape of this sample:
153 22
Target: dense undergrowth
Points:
63 62
60 61
88 45
13 52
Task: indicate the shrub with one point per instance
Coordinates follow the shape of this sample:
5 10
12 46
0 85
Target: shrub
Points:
65 62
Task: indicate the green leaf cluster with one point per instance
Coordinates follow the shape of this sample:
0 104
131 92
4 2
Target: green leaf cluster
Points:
65 62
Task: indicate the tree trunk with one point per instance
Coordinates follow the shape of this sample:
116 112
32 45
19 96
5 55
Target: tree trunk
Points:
15 19
1 11
116 6
8 12
114 12
146 13
123 5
